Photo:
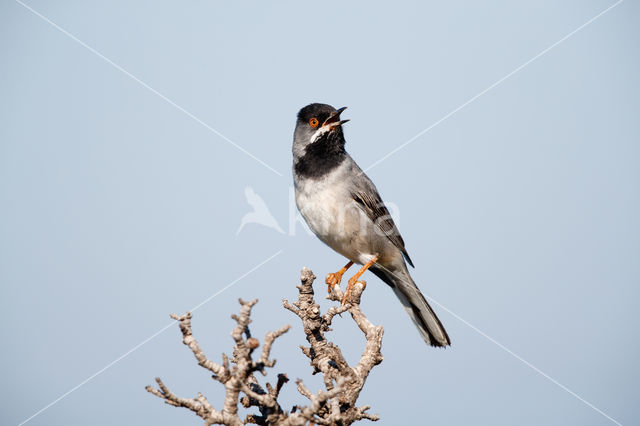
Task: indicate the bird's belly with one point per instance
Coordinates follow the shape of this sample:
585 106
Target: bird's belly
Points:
341 225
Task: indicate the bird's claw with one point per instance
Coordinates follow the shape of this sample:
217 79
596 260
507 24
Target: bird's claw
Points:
347 293
333 279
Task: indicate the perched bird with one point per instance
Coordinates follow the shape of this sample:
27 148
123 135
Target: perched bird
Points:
343 208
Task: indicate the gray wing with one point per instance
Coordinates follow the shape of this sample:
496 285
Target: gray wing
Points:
366 195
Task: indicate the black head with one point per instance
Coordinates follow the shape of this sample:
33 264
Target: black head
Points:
318 111
316 116
318 141
315 122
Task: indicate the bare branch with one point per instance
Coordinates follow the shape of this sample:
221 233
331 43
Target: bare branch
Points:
343 383
198 405
268 341
188 339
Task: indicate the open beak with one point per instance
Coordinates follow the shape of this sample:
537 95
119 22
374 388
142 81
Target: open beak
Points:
334 119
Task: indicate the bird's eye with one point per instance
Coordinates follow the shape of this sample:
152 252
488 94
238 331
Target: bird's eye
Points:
314 122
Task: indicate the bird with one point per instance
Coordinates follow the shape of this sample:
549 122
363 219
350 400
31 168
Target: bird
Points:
344 210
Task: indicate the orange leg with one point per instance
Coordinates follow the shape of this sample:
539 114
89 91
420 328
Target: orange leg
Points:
354 279
334 279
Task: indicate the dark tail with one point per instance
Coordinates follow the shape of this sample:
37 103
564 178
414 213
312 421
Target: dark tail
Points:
415 304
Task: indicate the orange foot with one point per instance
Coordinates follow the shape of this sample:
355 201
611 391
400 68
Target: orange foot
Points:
333 279
354 279
349 290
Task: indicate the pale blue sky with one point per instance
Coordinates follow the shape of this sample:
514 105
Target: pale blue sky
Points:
520 210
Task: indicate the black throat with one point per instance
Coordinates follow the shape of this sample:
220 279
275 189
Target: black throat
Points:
322 156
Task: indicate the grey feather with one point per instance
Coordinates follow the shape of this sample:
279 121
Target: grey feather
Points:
366 195
415 304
